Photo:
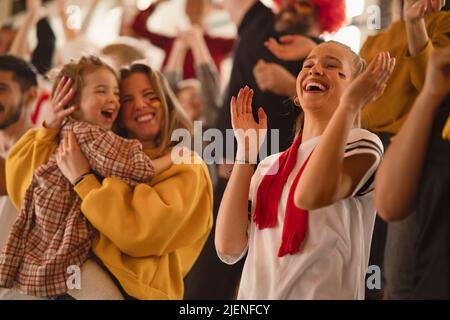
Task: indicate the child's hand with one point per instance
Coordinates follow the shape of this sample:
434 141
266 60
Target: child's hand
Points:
245 127
70 159
370 85
63 94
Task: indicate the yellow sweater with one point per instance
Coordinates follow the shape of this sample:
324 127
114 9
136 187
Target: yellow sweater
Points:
149 237
388 113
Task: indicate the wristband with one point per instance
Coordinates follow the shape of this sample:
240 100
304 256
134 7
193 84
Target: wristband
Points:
80 178
242 161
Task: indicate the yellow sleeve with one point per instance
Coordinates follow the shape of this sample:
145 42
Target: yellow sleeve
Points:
418 66
173 212
438 28
446 131
32 150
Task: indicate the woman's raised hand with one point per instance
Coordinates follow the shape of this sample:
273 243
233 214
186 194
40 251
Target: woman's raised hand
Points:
249 133
370 85
58 111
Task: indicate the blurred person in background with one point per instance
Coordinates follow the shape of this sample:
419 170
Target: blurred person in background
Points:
418 28
413 183
196 10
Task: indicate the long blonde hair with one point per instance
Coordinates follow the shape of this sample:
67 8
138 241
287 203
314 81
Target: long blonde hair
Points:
175 118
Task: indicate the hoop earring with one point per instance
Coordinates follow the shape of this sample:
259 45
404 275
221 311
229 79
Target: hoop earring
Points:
297 101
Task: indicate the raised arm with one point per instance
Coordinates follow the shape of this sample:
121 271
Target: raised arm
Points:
19 45
128 12
237 9
69 33
174 67
398 177
139 27
88 19
343 174
207 74
420 42
232 220
414 13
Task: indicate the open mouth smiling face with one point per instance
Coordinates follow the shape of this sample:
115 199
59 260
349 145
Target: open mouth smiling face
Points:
315 86
142 110
324 76
109 113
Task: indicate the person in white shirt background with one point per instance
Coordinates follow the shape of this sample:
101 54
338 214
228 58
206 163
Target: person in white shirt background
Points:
309 237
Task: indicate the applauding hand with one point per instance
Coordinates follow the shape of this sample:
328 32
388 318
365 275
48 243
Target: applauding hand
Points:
370 85
249 133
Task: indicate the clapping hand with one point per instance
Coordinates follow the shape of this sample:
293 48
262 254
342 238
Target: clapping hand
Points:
370 85
249 133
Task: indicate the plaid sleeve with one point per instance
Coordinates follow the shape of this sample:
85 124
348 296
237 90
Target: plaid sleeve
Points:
112 156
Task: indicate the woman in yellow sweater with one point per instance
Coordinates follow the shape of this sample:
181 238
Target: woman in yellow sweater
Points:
150 236
410 39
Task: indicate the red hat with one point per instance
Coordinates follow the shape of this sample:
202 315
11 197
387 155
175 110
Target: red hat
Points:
331 13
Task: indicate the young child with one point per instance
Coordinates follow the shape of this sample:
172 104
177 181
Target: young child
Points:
51 234
312 206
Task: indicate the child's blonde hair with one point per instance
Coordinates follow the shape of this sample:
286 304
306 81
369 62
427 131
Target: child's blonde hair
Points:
76 70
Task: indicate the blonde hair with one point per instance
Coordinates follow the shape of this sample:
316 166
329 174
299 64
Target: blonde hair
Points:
175 118
358 65
76 70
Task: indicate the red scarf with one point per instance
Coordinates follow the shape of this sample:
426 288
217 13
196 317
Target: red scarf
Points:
268 197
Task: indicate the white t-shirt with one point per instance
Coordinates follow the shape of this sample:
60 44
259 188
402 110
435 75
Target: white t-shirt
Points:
334 255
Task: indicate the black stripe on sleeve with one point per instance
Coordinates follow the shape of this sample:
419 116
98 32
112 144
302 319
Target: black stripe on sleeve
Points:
368 186
367 145
358 142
